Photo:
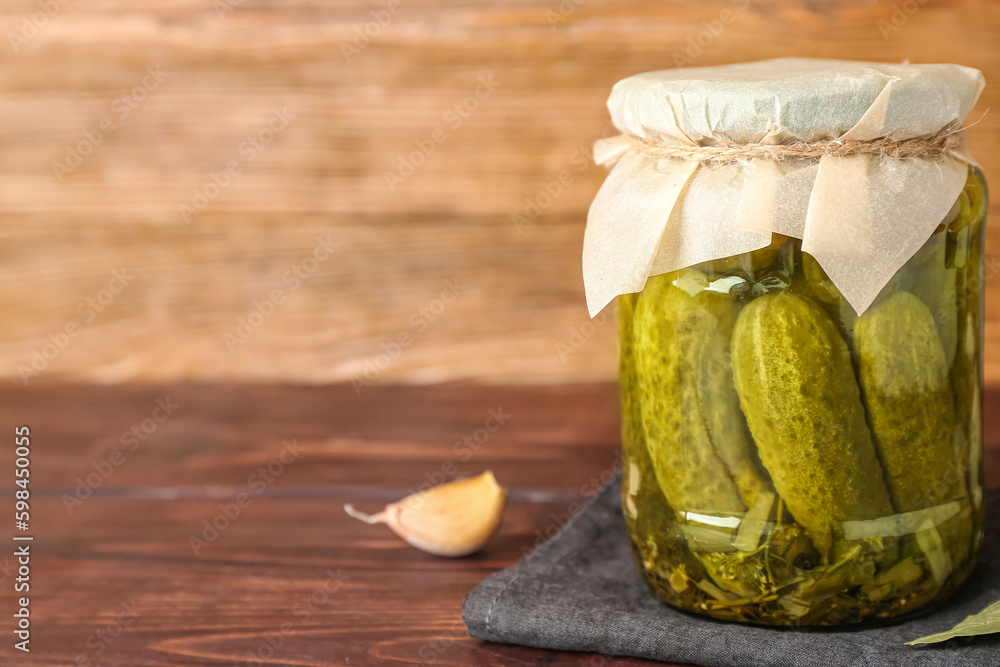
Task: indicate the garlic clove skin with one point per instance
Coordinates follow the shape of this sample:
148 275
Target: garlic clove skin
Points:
453 519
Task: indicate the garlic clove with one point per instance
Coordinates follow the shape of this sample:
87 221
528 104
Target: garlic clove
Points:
453 519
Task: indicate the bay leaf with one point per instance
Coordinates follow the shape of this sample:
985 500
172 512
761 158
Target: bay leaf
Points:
985 622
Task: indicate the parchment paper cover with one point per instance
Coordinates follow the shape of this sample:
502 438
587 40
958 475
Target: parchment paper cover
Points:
861 216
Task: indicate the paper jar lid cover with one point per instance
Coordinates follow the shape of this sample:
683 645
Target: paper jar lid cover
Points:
861 216
793 99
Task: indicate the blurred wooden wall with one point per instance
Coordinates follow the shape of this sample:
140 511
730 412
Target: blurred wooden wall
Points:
201 76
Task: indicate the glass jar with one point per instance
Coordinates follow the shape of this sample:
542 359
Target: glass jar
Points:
791 463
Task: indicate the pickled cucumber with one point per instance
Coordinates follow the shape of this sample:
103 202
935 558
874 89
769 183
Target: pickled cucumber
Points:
904 378
814 282
696 436
661 549
972 202
818 283
966 371
698 442
795 382
628 388
931 279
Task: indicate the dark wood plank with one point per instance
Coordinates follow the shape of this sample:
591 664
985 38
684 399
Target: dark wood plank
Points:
391 438
377 600
131 539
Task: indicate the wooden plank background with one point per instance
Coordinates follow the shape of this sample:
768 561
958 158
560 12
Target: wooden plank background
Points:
91 182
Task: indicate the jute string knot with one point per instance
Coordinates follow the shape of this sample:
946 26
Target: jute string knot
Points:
930 146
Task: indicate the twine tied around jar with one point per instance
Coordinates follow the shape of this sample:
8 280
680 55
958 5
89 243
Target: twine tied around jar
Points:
946 142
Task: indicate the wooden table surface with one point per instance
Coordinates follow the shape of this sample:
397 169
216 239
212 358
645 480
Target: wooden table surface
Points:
291 580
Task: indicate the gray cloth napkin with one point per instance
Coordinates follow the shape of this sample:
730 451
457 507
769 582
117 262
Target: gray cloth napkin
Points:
581 591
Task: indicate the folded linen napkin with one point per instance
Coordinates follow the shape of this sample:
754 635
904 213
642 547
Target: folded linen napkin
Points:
581 591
